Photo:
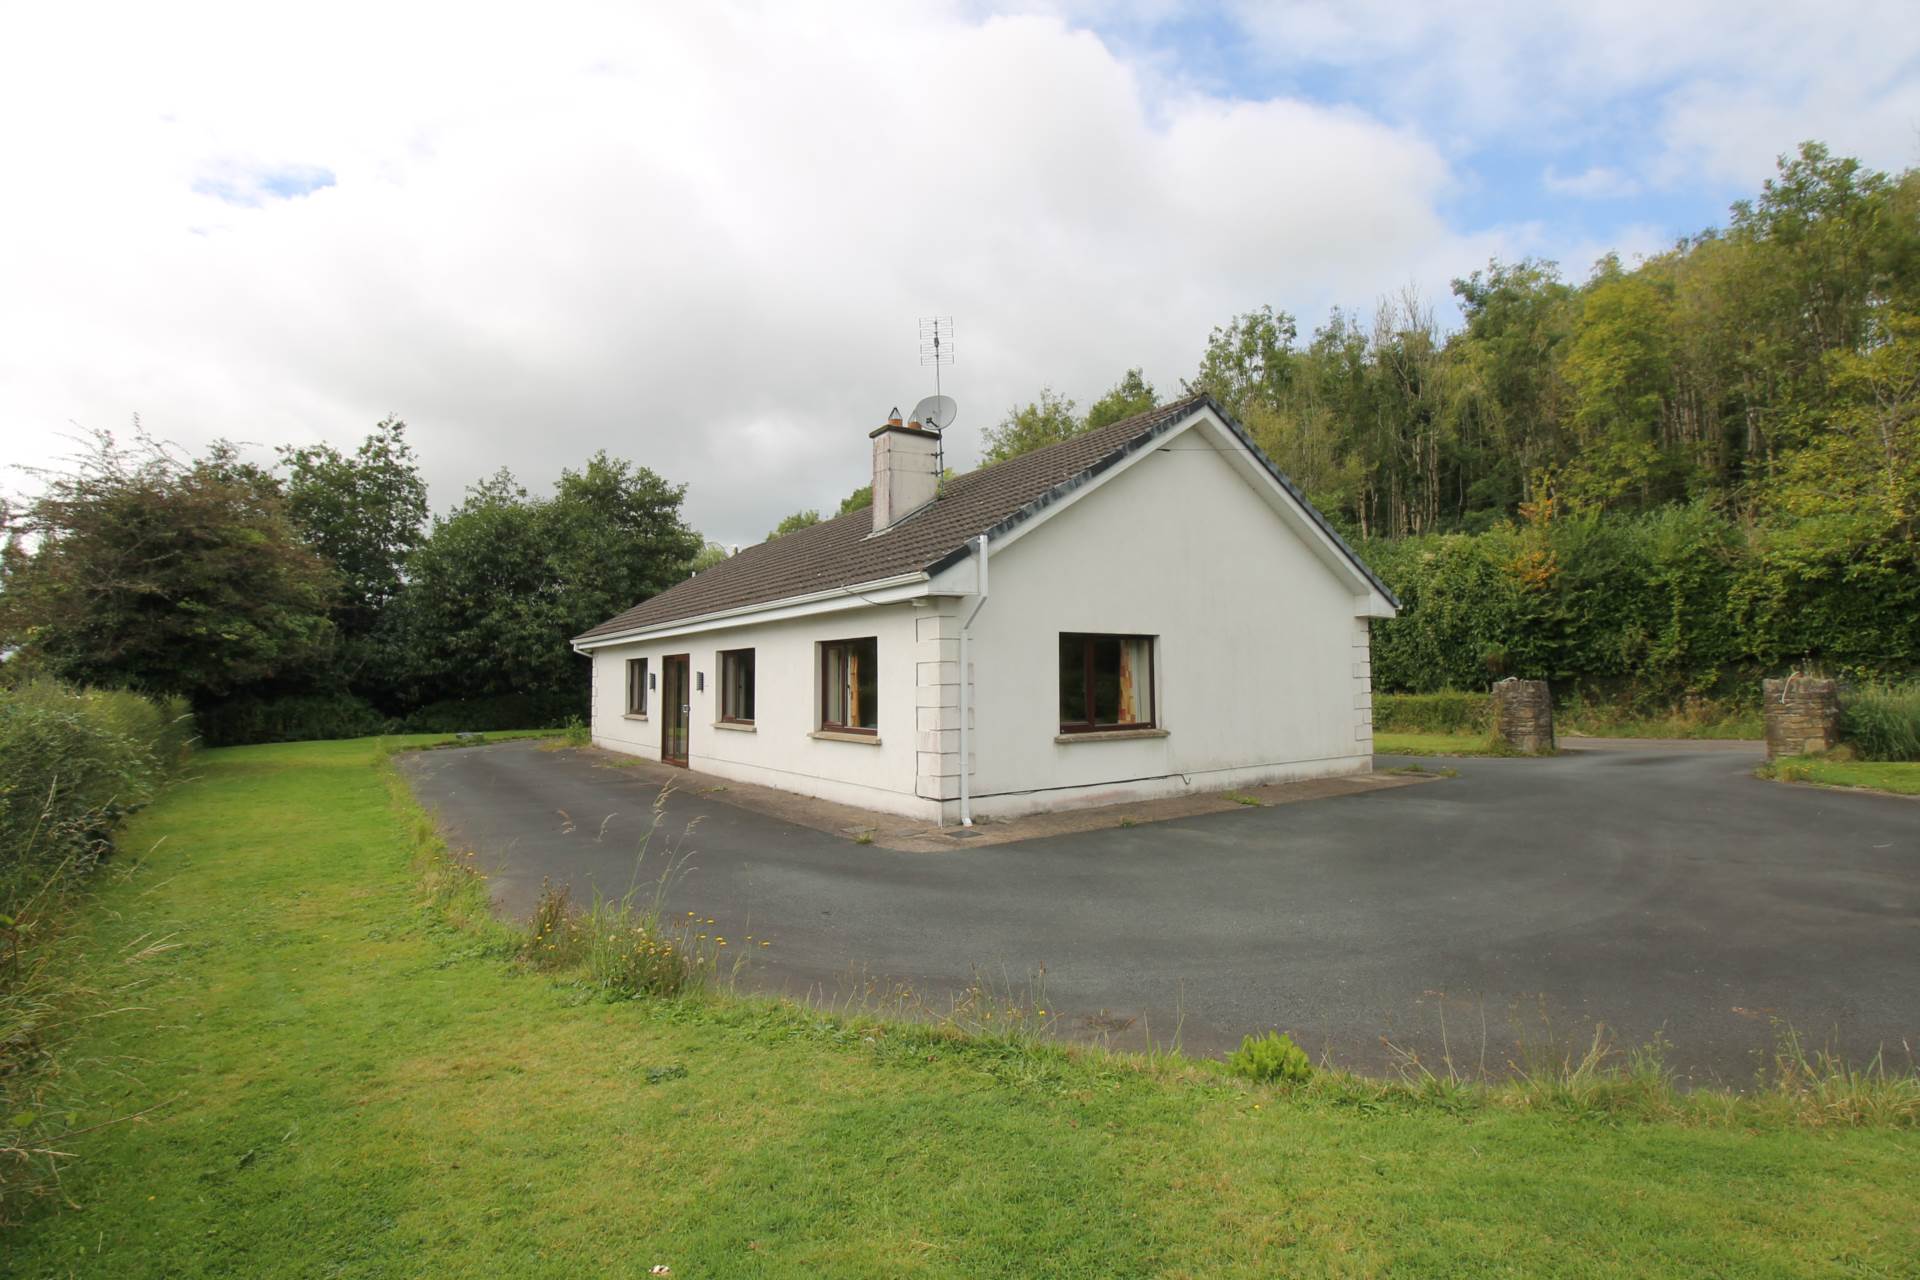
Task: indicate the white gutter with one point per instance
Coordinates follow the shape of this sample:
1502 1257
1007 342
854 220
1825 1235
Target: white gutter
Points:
896 587
966 683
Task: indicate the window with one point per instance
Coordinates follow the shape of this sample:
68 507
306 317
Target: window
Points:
1106 682
736 686
850 685
636 686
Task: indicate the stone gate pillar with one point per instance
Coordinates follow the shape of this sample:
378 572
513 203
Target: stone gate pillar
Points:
1523 715
1802 714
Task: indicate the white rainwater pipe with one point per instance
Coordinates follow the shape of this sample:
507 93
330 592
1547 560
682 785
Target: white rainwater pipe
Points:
966 683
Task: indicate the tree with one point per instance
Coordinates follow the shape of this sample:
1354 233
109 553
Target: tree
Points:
1039 423
365 513
140 570
859 500
799 520
504 581
709 555
1619 365
1132 394
1248 360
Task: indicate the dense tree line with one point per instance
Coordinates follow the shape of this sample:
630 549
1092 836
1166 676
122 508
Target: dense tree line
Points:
1662 480
315 598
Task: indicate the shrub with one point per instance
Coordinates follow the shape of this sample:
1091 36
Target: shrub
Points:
300 717
1446 712
1273 1056
1882 722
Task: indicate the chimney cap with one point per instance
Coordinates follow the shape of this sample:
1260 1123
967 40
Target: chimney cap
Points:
904 428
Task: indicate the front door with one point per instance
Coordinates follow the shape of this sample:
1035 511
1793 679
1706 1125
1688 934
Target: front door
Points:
675 707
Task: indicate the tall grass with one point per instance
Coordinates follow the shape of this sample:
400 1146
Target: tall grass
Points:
1451 711
630 946
73 764
1882 722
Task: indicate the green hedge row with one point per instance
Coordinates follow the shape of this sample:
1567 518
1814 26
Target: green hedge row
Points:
1658 606
305 717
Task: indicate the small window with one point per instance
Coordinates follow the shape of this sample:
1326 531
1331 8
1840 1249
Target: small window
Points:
850 685
736 686
1106 682
636 686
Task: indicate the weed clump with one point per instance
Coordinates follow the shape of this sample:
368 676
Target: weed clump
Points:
626 948
1272 1057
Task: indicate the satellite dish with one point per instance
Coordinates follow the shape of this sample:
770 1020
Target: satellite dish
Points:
935 412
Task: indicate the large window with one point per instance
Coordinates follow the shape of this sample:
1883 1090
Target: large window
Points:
736 686
636 686
1106 682
850 685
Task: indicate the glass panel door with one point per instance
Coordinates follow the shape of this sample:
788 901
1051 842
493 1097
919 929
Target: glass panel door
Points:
675 709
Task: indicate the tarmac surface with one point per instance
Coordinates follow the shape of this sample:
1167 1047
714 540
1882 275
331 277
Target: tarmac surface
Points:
1655 889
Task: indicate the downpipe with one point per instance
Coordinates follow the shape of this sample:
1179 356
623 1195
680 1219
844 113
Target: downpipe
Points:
966 682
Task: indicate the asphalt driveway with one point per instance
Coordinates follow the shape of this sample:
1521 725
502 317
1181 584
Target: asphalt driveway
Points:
1658 889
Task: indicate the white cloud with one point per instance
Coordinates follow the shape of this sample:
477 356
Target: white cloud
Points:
1599 182
698 237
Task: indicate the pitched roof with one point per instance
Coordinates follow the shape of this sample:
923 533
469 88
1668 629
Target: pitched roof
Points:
840 553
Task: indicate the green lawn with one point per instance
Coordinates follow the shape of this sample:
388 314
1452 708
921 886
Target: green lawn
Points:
349 1084
1436 744
1899 777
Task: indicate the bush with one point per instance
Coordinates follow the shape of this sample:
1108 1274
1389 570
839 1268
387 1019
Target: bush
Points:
1447 712
300 717
1882 722
1273 1056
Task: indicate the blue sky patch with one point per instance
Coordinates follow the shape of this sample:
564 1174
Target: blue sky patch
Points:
251 187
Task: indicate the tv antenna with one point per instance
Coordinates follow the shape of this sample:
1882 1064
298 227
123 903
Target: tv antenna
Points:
937 411
936 345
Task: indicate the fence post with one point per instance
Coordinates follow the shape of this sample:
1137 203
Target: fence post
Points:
1802 714
1523 715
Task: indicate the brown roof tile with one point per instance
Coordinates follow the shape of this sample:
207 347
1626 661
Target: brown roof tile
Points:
839 552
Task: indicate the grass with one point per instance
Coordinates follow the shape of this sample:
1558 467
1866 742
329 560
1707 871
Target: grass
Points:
1902 778
349 1073
1699 719
1439 744
1882 722
1417 770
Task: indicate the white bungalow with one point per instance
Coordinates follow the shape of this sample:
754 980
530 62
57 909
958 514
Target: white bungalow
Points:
1144 610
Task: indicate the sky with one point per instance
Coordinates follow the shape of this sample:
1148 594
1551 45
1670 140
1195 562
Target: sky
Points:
701 236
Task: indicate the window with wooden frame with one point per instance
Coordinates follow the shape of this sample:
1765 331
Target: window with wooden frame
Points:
736 686
850 686
636 686
1106 682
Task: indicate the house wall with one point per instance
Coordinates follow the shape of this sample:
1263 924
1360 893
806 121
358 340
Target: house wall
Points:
1261 664
778 751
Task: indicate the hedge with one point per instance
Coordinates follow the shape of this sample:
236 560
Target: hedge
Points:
73 763
1658 607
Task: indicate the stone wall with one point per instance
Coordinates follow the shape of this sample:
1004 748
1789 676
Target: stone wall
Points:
1803 715
1523 715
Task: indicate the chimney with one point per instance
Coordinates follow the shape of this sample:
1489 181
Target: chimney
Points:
906 470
